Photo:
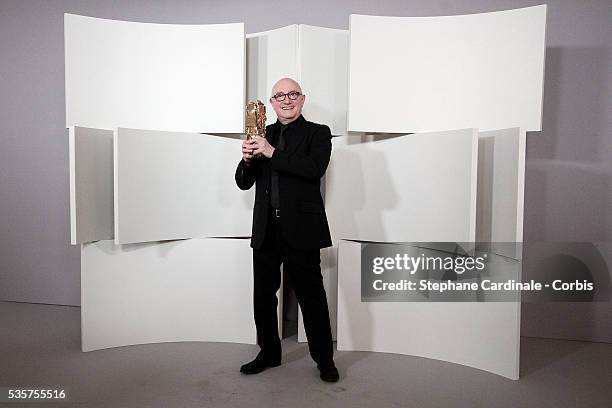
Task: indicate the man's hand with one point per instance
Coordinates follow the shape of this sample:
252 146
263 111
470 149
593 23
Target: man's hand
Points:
262 147
247 151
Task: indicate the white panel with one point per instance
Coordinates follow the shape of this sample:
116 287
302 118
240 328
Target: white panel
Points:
419 187
479 335
323 64
271 55
191 290
501 185
172 185
154 76
91 184
414 74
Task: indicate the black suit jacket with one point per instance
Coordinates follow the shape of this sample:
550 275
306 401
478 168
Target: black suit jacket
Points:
300 167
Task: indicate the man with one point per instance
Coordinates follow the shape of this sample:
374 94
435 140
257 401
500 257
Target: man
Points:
289 226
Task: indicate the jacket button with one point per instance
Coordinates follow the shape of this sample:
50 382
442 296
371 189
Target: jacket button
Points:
266 191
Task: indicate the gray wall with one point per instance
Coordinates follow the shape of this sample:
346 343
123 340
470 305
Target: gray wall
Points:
569 165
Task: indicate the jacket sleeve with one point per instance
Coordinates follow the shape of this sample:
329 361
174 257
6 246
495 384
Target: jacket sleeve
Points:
311 166
246 175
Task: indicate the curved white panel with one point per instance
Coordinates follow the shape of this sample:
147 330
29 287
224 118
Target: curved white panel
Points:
271 55
479 335
323 64
419 187
154 76
171 185
415 74
191 290
91 184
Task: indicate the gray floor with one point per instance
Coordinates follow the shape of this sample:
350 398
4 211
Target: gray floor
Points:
40 345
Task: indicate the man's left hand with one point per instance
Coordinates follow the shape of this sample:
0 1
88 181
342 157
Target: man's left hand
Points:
262 147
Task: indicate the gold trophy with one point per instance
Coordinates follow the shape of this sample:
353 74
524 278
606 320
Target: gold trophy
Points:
255 122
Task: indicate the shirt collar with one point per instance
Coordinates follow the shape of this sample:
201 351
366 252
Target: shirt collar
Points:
292 124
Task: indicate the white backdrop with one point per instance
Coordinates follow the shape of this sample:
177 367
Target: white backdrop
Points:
154 76
171 185
475 334
271 55
189 290
323 64
419 187
419 74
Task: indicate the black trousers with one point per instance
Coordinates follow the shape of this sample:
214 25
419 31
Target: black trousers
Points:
304 270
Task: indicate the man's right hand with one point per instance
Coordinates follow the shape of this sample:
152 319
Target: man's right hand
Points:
247 151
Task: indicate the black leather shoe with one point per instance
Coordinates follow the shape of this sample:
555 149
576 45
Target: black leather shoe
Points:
329 372
258 365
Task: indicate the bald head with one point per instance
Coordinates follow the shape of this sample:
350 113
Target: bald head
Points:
288 109
284 83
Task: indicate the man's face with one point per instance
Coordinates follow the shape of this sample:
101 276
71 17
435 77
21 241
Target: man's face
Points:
287 110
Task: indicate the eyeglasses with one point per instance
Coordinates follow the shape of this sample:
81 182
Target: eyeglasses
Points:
293 95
